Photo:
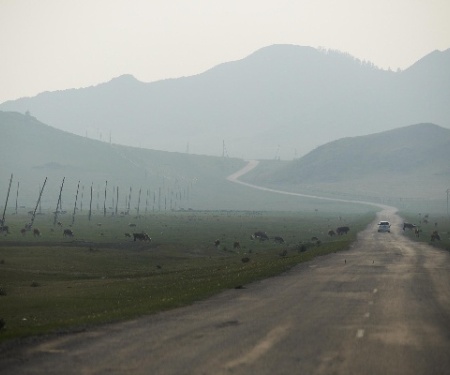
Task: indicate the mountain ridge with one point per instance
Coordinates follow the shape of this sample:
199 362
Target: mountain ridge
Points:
279 102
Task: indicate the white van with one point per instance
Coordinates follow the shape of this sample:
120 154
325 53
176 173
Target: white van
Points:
384 226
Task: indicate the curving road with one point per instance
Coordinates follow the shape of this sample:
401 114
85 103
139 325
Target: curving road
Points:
382 307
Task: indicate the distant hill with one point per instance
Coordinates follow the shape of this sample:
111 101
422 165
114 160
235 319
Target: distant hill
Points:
408 162
281 101
32 151
405 163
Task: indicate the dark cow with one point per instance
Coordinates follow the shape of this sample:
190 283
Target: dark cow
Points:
260 235
331 233
435 236
23 231
68 233
417 232
342 230
4 229
216 243
141 237
36 232
236 245
409 226
278 239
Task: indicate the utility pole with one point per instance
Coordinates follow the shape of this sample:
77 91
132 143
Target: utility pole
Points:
17 195
90 204
7 197
75 205
39 201
448 192
104 201
58 205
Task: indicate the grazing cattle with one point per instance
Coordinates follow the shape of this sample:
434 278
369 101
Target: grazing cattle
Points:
216 243
236 245
417 232
4 229
278 239
141 237
131 225
435 236
68 233
409 226
260 235
331 233
36 232
23 231
342 230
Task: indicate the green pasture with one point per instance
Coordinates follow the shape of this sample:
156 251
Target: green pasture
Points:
51 283
427 224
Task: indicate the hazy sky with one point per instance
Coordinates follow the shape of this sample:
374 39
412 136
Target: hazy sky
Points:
49 45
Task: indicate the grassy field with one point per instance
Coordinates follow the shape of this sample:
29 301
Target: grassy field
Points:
427 224
53 283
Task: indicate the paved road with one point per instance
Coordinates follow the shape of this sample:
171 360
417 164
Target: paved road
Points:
382 307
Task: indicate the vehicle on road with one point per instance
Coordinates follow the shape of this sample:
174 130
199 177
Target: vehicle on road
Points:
384 226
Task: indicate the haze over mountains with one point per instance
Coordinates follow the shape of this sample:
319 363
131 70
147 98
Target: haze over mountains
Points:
395 167
280 102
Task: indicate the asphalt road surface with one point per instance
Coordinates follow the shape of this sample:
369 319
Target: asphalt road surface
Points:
381 307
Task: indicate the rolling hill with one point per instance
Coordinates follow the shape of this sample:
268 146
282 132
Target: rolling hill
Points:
406 164
167 181
282 101
33 151
410 162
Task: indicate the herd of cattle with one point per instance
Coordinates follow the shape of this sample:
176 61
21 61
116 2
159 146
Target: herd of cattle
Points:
258 235
262 236
434 234
4 229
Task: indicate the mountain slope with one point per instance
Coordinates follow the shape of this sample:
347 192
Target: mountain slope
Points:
407 162
280 101
33 151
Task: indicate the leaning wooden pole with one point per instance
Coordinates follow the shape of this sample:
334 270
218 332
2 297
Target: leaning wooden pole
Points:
90 205
139 202
7 197
104 201
129 201
17 196
37 204
75 206
59 202
117 199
